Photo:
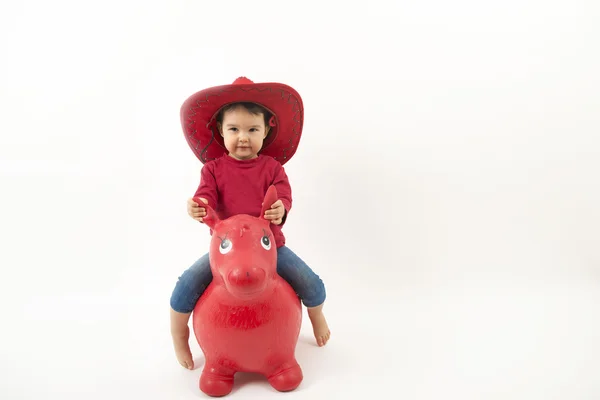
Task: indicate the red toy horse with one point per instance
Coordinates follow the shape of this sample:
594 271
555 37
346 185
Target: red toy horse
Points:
249 318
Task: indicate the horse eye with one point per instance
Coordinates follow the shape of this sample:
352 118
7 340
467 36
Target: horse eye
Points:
225 246
266 242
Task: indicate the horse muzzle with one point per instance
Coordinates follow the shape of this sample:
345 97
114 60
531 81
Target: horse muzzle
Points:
244 282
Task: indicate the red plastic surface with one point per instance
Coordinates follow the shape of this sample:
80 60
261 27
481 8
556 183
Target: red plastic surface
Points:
249 318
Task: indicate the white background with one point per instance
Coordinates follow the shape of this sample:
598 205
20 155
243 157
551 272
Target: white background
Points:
446 189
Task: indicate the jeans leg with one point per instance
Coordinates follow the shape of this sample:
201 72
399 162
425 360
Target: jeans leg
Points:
304 281
190 285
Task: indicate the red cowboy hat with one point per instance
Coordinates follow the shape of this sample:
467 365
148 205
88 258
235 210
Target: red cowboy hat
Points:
199 111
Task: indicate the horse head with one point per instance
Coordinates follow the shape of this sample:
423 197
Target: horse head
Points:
243 254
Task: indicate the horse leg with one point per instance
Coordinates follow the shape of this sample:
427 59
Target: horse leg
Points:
216 380
286 376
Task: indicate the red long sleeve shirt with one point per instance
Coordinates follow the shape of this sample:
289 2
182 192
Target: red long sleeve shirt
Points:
238 187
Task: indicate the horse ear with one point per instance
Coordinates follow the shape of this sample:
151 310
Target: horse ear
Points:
270 198
211 219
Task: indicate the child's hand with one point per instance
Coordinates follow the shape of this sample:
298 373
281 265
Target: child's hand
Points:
276 213
195 211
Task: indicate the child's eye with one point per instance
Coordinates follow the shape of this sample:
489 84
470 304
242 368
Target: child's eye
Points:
233 129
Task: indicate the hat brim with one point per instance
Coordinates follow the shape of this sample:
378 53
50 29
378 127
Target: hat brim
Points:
198 114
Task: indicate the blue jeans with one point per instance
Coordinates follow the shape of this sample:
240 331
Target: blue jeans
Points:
195 280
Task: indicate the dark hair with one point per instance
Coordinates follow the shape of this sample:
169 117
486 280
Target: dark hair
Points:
252 108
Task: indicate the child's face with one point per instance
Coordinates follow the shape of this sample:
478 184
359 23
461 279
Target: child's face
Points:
243 133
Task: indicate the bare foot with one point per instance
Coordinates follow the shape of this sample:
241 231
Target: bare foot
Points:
181 335
319 323
182 350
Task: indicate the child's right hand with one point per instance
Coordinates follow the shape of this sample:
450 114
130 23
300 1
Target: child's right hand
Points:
195 210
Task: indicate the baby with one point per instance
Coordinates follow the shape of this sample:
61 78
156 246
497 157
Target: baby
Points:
235 183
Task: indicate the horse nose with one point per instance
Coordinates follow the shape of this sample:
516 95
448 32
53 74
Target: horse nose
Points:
247 278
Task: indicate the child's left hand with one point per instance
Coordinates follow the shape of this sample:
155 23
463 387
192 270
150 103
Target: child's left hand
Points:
276 213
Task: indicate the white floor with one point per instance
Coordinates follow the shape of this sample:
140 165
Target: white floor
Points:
470 342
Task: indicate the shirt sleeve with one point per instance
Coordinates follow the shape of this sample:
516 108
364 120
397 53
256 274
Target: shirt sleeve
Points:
208 186
284 190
